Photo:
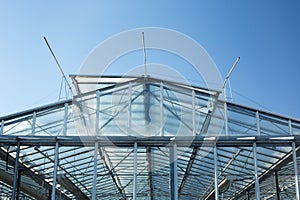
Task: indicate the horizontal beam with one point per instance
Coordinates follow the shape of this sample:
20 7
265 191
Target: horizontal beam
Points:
156 141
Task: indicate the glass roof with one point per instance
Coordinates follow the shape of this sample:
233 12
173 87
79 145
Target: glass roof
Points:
97 130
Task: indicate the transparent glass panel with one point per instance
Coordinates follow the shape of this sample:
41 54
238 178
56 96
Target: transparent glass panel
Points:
273 126
241 122
296 128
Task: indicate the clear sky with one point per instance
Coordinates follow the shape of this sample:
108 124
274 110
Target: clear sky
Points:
265 34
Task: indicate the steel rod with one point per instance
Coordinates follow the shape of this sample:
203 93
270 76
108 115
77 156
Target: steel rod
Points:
62 72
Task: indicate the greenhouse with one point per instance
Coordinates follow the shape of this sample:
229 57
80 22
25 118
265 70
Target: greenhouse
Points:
141 137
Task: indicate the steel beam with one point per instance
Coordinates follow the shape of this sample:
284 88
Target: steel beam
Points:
65 127
258 123
257 192
16 172
53 195
156 141
295 170
33 123
277 185
161 105
135 171
129 113
193 113
173 172
216 177
97 113
108 165
149 161
94 192
226 118
187 170
2 127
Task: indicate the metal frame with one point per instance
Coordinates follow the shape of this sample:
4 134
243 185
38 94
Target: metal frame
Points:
141 166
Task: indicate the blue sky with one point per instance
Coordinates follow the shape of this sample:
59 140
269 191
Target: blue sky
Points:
265 34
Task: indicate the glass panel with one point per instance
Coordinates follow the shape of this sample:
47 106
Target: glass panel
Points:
273 126
241 122
296 128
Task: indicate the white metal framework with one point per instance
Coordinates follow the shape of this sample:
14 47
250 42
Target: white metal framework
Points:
146 138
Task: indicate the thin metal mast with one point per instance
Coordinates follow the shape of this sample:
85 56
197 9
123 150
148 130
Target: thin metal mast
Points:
228 75
145 67
62 72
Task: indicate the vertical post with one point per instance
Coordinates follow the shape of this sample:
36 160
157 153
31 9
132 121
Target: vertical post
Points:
129 108
225 117
97 112
216 172
65 120
193 113
173 172
94 193
18 184
161 109
277 185
257 123
135 171
295 170
257 192
53 195
150 164
290 127
2 127
16 172
33 123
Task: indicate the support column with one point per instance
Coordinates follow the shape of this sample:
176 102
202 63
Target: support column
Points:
257 123
290 127
16 172
193 113
226 118
2 127
257 192
135 171
277 185
216 173
173 172
18 184
97 112
295 170
161 109
94 193
53 197
33 123
65 120
129 109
